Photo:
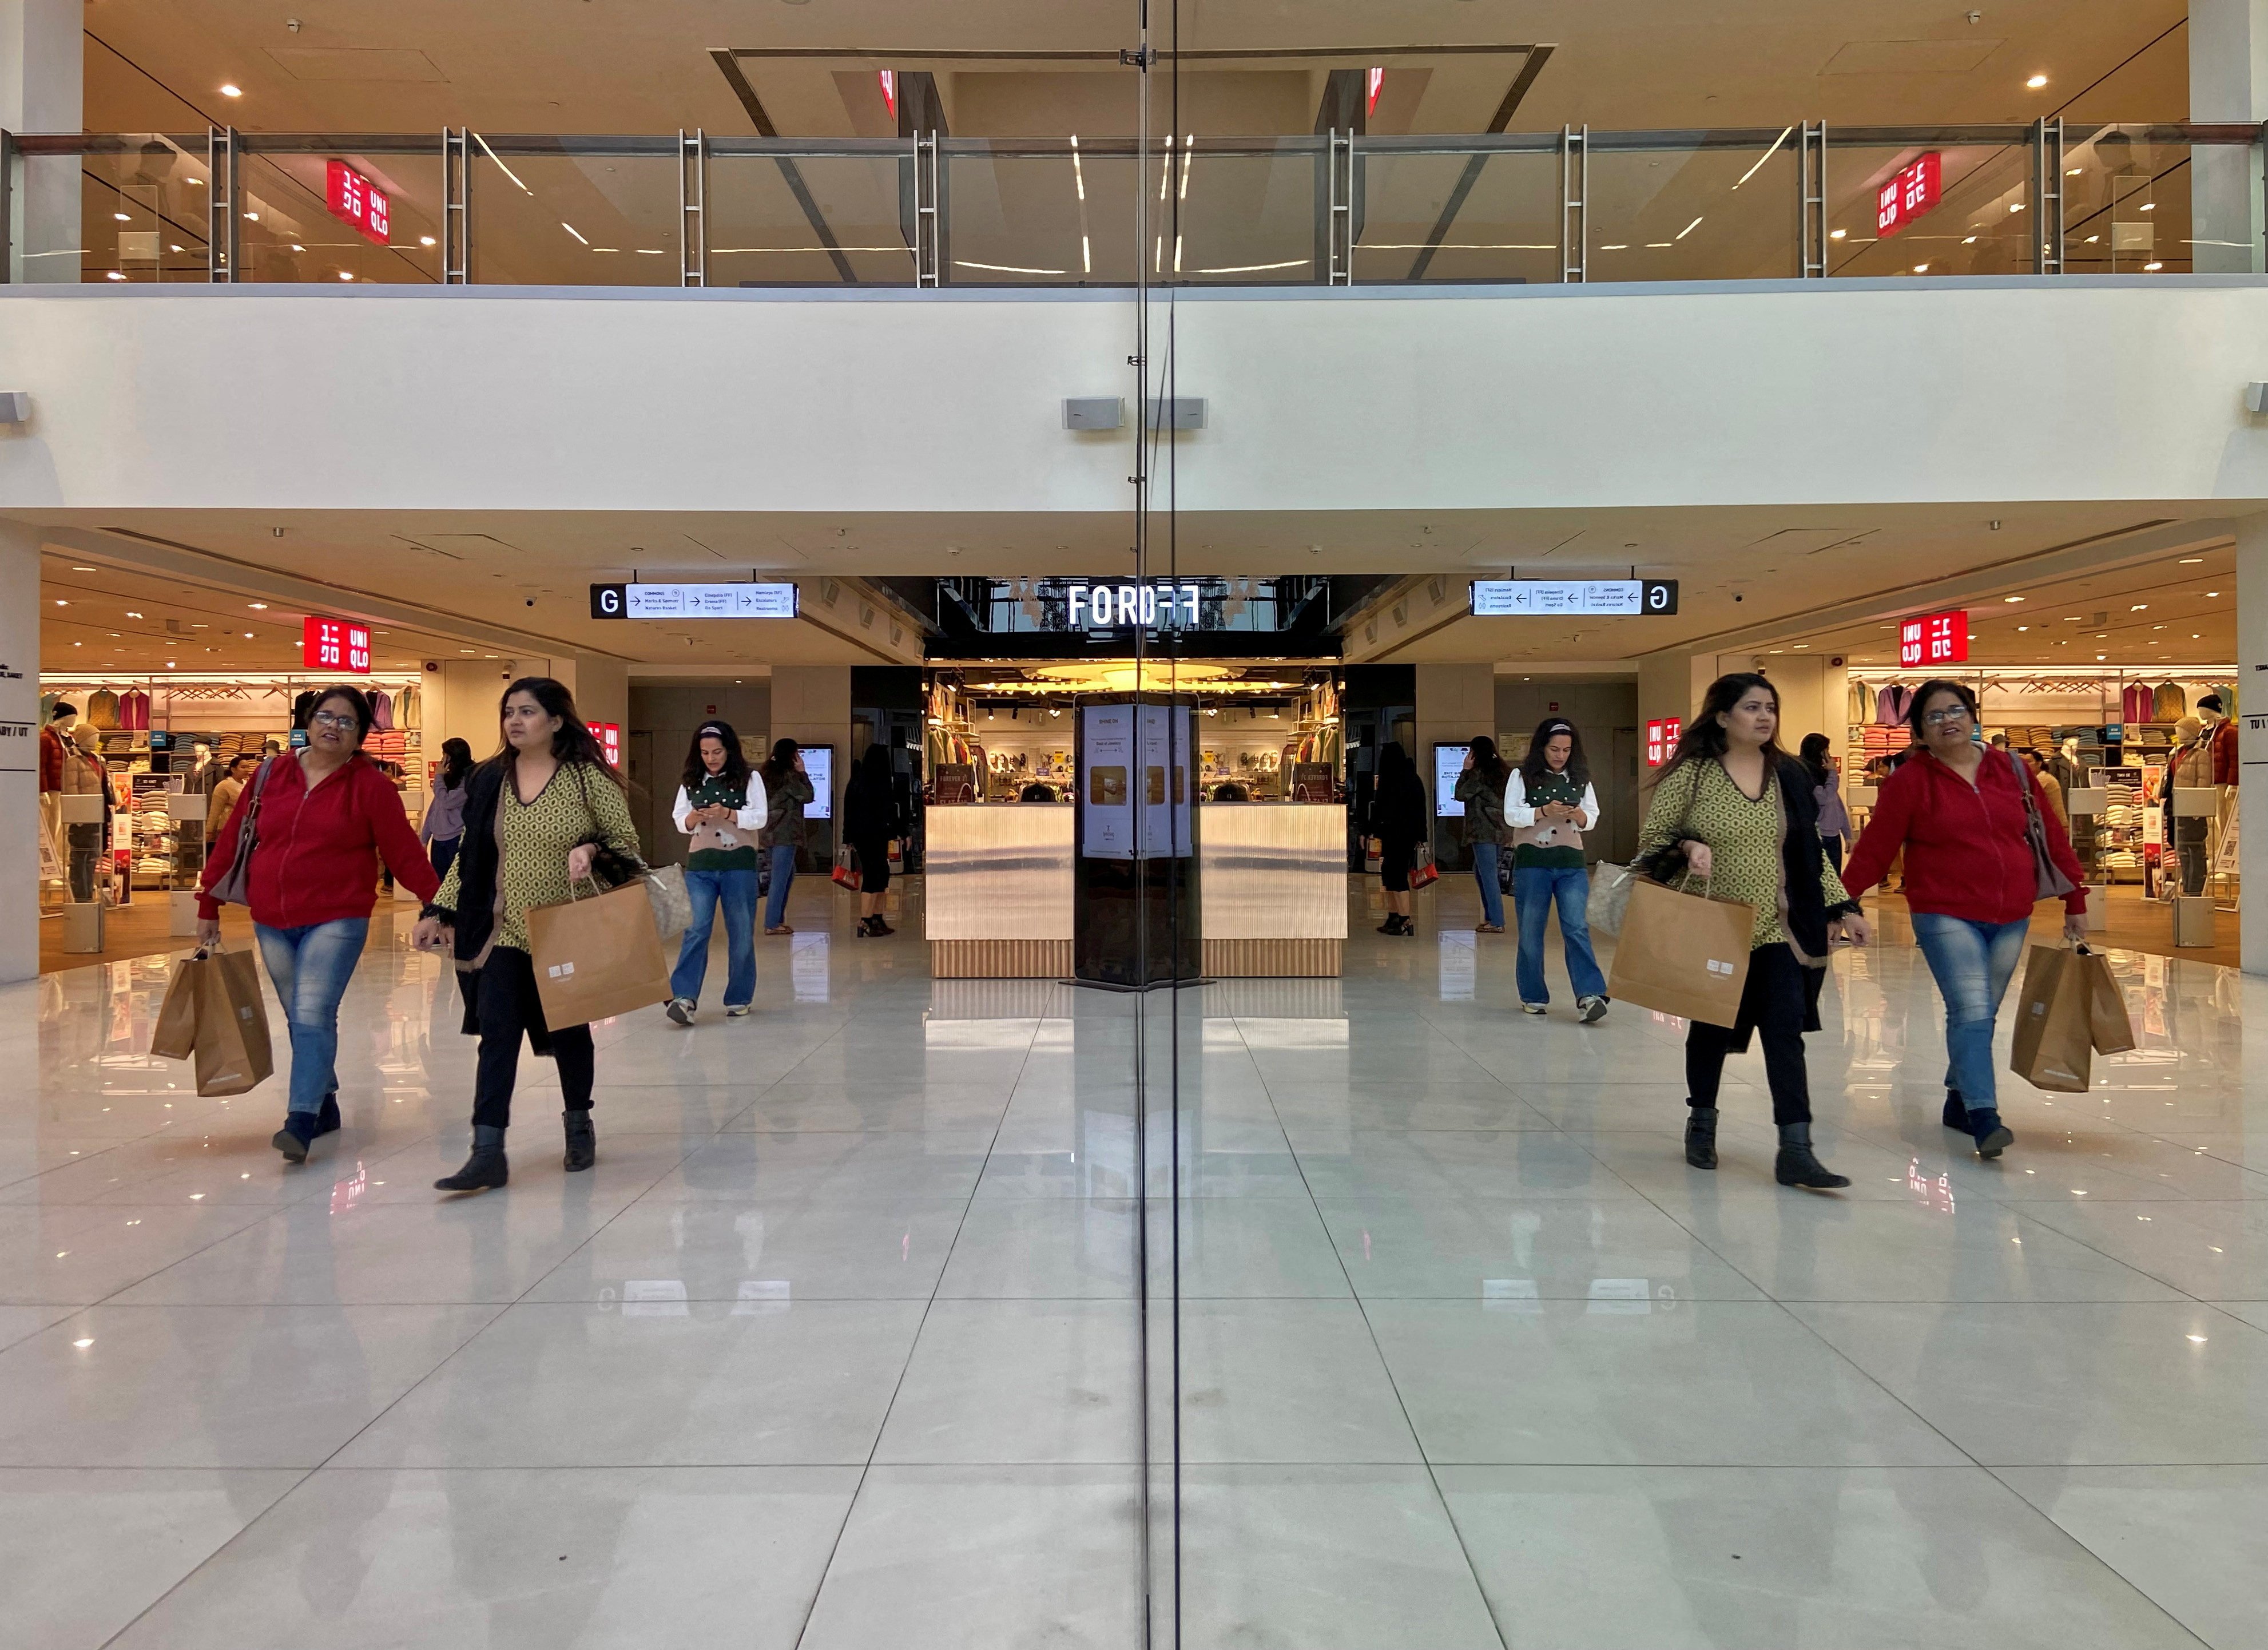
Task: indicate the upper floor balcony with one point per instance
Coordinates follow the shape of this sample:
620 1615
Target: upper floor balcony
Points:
1340 207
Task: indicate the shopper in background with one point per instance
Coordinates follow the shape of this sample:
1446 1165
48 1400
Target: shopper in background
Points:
1963 815
325 819
445 811
871 820
1548 803
1742 811
1826 796
535 815
1480 787
1397 818
720 805
2051 784
229 786
787 787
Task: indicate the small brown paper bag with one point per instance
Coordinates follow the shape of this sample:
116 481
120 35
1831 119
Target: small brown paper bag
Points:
2053 1048
175 1036
2108 1025
232 1052
597 956
1682 953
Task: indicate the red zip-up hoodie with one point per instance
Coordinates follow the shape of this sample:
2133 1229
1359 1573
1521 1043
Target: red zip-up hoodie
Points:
315 859
1966 855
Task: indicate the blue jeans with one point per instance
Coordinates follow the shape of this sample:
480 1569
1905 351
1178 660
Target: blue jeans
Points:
1534 889
783 874
1973 963
311 967
1485 872
736 892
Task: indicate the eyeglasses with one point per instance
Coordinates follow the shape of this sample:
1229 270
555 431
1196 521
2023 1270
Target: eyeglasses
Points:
340 720
1955 713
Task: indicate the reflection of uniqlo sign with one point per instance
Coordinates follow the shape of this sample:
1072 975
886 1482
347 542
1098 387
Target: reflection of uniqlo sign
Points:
335 644
1935 638
359 201
610 742
1907 195
1661 739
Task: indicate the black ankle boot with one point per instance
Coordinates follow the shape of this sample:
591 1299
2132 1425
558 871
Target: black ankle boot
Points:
484 1168
1956 1111
1701 1136
294 1138
582 1141
1798 1167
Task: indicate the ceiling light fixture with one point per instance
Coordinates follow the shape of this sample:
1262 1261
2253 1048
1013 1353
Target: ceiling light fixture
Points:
2037 82
257 607
424 240
228 90
1836 234
2187 561
2151 269
2012 598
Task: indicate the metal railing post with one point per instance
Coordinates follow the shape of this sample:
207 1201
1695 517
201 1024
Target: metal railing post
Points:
1339 227
692 208
1574 196
1811 201
221 243
7 205
456 205
927 261
2047 195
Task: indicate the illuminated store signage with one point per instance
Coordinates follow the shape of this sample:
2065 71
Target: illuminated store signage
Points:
355 200
609 735
1661 737
1912 191
1153 607
694 601
1524 597
1934 638
334 645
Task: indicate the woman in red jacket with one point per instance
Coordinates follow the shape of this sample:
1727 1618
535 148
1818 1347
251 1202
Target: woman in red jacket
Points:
320 820
1962 813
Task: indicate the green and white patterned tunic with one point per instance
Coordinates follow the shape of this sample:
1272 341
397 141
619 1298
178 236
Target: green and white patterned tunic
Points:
1744 836
536 837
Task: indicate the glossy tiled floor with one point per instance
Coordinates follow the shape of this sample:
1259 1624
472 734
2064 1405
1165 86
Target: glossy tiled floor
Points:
838 1345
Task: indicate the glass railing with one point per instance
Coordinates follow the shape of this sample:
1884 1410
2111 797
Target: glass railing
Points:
1341 208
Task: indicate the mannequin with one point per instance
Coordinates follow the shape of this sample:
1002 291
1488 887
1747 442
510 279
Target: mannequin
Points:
2221 733
2190 766
54 748
83 773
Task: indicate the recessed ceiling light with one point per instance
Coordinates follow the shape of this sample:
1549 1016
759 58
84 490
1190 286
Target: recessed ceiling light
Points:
251 217
2012 598
2191 560
2037 82
424 240
232 91
122 217
464 650
2139 607
83 570
60 602
1836 234
2151 269
114 275
257 606
1921 269
2212 592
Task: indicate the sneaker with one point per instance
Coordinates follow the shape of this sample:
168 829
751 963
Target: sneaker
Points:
740 1011
782 929
680 1010
1531 1008
1593 1010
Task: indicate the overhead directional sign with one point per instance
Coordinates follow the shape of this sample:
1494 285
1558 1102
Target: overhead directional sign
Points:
1603 598
775 600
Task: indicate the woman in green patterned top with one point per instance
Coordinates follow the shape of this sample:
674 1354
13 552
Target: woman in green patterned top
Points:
1742 812
535 815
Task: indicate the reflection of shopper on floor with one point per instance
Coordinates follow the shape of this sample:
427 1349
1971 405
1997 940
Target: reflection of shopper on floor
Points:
1480 787
1959 812
1741 809
720 805
787 789
870 822
1548 803
535 816
1397 817
325 818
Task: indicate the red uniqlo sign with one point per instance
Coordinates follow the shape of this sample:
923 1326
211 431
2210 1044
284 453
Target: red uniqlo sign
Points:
1661 739
610 742
1934 638
335 644
359 200
1907 195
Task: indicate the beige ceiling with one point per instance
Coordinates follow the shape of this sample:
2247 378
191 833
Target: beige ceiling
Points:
643 65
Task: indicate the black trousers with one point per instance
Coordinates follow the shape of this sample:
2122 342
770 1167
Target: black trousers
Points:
509 1010
1773 1004
1834 847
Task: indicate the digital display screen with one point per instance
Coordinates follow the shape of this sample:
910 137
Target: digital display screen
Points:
1448 765
819 767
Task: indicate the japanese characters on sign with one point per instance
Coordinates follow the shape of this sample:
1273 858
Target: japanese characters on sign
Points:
334 645
354 199
1912 191
1934 638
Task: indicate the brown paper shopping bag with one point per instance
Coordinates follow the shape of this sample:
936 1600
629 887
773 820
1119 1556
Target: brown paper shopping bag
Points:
597 956
232 1051
2109 1027
2053 1048
174 1037
1682 953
